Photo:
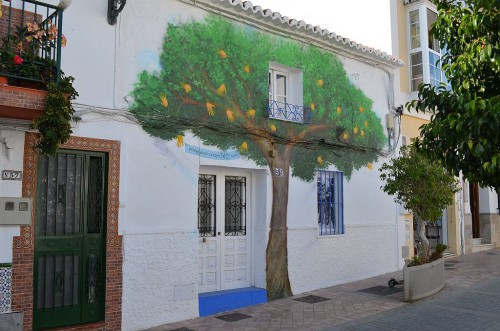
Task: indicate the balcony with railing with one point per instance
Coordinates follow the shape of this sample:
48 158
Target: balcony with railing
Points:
288 112
30 56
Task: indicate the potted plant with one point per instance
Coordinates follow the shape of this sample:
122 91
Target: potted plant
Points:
425 188
27 59
27 54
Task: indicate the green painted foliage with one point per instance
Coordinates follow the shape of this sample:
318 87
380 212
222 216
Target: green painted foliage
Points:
199 59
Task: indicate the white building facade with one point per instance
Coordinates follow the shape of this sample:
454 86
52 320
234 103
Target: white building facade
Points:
131 224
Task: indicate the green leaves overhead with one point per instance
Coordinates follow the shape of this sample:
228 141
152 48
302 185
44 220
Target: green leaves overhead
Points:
464 133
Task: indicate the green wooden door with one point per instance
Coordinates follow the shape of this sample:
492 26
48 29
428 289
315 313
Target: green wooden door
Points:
70 239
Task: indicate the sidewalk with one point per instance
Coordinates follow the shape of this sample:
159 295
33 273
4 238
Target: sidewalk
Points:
344 305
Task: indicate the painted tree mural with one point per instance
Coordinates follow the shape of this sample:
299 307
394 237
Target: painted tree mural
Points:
214 82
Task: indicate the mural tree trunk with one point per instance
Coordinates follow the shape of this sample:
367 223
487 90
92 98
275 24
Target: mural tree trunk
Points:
278 283
213 82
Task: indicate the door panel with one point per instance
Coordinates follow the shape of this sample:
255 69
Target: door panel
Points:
69 246
224 249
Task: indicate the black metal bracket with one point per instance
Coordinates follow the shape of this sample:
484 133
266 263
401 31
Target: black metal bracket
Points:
114 8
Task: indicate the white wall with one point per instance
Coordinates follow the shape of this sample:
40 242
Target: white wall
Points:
11 158
158 180
488 201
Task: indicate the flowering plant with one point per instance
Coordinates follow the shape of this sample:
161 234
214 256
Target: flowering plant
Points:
29 53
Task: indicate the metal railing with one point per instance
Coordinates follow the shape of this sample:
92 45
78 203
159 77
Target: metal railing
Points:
30 41
330 202
289 112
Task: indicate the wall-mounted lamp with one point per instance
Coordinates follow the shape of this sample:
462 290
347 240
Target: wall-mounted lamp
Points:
114 8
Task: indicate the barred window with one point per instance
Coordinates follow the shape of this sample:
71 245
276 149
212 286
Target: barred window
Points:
330 202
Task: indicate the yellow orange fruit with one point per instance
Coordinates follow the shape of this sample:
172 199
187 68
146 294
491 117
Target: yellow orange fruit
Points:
222 54
210 108
230 115
221 90
244 146
180 141
164 101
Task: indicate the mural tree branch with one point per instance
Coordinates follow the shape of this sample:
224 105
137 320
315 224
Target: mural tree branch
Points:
214 83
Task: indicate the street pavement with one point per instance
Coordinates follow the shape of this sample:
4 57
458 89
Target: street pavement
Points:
470 300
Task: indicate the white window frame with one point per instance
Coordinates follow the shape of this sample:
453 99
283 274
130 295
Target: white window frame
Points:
293 91
422 7
273 93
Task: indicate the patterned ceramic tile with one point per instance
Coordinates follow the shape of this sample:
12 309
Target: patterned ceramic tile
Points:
5 289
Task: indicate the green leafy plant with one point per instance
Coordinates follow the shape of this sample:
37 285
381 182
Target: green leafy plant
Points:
25 54
422 186
464 131
54 125
414 261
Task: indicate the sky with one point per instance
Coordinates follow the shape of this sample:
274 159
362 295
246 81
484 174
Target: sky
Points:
364 21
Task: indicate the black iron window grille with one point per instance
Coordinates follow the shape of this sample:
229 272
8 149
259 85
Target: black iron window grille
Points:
330 202
235 210
206 205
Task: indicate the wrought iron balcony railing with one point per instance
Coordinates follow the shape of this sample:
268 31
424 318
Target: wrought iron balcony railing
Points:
30 42
288 112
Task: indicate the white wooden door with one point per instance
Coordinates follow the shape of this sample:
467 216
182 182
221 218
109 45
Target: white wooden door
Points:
224 224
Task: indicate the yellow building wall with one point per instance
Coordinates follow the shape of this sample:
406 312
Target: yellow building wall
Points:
410 126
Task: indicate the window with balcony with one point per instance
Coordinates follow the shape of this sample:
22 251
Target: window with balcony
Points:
424 51
285 95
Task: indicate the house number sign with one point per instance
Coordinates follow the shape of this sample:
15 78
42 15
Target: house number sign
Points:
278 172
12 175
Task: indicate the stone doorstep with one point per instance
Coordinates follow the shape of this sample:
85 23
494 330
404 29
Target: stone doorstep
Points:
221 301
482 247
476 241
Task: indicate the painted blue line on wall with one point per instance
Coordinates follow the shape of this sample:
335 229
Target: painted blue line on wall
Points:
214 155
217 302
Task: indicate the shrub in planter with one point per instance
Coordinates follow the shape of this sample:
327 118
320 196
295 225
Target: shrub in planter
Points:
422 186
426 188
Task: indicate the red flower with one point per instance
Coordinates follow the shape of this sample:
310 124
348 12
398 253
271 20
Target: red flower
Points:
18 59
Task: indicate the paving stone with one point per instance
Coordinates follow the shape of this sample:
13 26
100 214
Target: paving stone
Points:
470 293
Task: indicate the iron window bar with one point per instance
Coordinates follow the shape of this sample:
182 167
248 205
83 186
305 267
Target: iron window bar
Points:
289 112
330 202
207 206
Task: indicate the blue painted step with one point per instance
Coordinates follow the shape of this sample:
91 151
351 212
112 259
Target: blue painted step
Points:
217 302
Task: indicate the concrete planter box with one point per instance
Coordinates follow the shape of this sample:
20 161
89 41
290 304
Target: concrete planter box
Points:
423 280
